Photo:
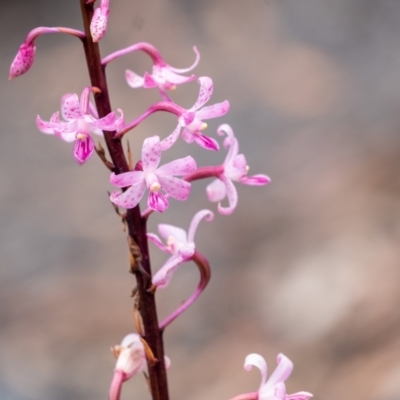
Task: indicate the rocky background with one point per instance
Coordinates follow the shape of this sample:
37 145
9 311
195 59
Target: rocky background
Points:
307 266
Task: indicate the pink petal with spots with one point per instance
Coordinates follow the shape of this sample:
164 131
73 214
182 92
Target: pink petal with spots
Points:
71 108
131 197
206 89
184 70
23 60
214 111
255 180
106 123
181 166
83 149
167 231
299 396
163 276
205 141
134 80
157 202
151 153
207 214
48 127
156 240
175 187
232 197
187 118
171 139
216 190
238 167
148 81
98 24
126 179
187 135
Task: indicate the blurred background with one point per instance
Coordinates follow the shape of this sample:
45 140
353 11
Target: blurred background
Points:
307 266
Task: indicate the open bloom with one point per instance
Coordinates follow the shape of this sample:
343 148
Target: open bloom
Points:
273 388
191 120
235 168
98 24
79 124
163 75
154 178
179 244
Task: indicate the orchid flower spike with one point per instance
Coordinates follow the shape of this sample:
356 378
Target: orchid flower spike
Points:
163 75
98 24
179 244
273 388
25 56
79 124
235 168
191 120
154 178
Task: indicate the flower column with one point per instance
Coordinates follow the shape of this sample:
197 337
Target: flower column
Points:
137 240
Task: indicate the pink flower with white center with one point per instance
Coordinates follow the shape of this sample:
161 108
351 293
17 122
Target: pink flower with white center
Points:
98 24
235 168
179 244
191 120
79 124
274 388
154 178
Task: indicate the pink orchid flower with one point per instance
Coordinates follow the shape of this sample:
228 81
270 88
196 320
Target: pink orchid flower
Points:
154 178
131 360
98 24
191 120
274 388
235 168
79 124
179 244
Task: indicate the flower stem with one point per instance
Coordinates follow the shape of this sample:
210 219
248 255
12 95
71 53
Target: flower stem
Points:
136 225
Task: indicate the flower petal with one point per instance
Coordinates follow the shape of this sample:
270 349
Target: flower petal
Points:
157 201
175 187
149 81
214 111
282 371
206 89
207 214
131 197
127 178
299 396
171 139
176 79
70 108
163 276
181 166
167 231
83 149
216 190
255 360
133 79
106 123
255 180
206 142
232 197
194 65
48 127
151 153
157 241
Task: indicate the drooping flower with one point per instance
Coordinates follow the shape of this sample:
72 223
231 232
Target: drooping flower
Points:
191 120
274 387
79 124
235 168
180 245
98 24
154 178
163 75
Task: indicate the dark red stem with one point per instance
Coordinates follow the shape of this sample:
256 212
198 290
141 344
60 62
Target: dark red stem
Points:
136 224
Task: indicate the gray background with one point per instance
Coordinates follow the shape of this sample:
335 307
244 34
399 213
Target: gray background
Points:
307 266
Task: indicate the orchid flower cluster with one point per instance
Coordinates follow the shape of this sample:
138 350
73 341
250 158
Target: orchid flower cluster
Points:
82 120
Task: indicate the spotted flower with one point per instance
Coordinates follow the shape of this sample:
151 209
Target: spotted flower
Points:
274 387
98 24
235 168
191 120
156 179
79 124
179 244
